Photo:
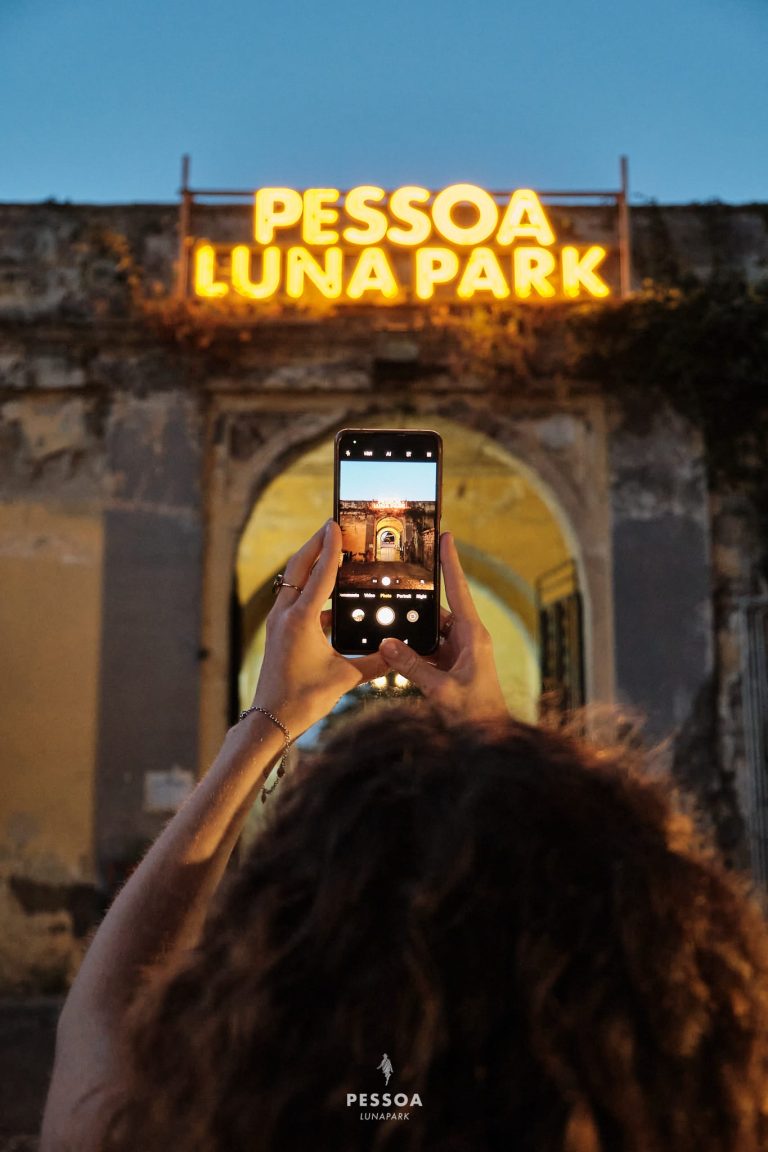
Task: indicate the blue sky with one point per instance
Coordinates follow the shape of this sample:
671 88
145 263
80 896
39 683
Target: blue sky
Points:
375 480
99 100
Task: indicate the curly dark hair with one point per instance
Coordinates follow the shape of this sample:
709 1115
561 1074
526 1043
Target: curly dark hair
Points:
530 928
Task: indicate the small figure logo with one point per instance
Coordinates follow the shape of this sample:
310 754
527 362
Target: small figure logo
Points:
385 1067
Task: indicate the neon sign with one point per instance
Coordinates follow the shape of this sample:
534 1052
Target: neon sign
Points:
411 245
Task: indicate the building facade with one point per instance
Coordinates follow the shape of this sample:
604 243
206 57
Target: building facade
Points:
159 461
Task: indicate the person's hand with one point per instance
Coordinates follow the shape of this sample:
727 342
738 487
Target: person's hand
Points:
302 677
461 681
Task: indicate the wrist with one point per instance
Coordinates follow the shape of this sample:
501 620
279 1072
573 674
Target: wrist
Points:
295 714
259 735
261 715
268 713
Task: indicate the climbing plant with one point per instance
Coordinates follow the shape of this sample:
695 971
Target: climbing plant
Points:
701 348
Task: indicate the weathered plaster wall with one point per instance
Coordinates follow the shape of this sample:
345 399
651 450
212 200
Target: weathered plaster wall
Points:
661 563
100 545
682 557
672 243
148 702
50 586
736 581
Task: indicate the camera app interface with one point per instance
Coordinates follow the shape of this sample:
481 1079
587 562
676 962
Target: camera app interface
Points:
388 518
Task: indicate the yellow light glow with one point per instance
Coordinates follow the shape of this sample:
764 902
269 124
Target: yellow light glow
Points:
354 249
581 270
434 266
525 219
317 214
465 234
205 280
401 681
241 273
357 207
275 208
372 273
532 266
402 207
482 274
301 265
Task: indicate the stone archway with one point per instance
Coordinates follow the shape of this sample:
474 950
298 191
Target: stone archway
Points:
389 538
542 475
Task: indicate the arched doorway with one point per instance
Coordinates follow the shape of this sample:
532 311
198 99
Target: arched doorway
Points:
389 538
508 529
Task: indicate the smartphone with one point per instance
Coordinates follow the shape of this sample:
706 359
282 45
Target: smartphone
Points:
387 485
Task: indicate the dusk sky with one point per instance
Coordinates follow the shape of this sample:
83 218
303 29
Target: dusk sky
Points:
98 100
378 480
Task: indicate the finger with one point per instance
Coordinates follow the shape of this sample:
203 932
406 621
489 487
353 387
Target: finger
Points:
326 619
323 576
368 666
299 567
400 658
456 587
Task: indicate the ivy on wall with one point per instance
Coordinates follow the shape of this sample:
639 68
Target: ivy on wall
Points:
700 348
704 351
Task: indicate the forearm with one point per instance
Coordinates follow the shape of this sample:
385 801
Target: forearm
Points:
162 906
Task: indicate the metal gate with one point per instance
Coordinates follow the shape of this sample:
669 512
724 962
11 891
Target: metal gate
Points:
754 648
561 640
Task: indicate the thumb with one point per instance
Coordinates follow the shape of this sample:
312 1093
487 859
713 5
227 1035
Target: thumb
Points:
400 658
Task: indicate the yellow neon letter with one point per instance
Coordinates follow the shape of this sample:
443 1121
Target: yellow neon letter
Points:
274 208
482 274
483 202
372 273
434 266
582 271
326 277
316 214
241 273
357 207
525 217
205 280
532 266
402 207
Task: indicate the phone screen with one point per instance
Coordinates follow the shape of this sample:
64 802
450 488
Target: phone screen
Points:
388 506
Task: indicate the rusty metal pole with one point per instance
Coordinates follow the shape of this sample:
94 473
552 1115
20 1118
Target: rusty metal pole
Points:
185 221
625 239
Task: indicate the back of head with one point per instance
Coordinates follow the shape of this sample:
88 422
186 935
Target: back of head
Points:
526 927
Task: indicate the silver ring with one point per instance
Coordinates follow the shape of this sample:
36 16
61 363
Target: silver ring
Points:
280 582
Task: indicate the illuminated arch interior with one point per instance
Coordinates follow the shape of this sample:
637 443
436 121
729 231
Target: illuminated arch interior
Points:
506 526
389 537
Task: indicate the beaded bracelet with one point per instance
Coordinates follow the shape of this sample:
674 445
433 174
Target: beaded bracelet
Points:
286 736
